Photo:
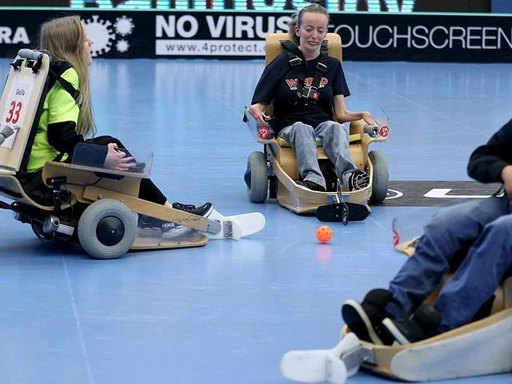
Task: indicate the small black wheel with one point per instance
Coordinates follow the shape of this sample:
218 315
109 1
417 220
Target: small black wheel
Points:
380 179
256 177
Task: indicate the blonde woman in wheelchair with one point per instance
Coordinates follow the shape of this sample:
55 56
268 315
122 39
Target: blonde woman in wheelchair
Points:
67 120
303 110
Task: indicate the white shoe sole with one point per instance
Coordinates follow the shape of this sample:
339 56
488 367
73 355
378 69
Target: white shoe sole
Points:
353 310
391 327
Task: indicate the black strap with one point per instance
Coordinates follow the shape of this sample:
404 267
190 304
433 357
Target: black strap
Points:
59 157
33 129
311 90
16 64
297 63
75 93
50 81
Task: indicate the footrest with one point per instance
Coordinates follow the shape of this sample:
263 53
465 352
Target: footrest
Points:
343 212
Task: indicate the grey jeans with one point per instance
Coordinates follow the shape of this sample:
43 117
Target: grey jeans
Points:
335 141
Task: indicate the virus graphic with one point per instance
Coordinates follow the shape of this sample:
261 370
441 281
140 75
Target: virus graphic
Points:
122 46
101 33
123 26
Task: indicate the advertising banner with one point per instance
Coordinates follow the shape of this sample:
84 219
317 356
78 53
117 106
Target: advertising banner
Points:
222 35
267 5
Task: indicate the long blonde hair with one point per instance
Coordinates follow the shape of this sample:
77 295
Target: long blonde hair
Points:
296 20
64 39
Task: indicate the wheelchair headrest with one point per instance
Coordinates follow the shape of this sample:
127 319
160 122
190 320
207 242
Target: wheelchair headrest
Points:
30 54
273 45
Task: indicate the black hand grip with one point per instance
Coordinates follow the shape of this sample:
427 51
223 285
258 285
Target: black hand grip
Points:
371 130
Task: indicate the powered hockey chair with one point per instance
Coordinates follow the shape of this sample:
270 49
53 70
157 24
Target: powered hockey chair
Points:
273 171
94 207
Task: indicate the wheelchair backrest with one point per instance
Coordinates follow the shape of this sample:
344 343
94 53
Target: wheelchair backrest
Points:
19 106
273 48
273 45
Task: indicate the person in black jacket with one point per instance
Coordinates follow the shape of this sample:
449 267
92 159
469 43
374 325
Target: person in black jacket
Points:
482 229
307 92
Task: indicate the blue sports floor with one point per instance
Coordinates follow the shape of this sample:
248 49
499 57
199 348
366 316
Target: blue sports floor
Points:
226 313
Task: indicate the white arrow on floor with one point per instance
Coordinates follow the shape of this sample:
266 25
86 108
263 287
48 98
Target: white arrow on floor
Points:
442 193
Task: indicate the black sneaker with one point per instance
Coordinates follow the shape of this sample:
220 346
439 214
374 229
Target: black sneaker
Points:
421 325
311 185
355 180
156 228
175 231
204 210
365 319
149 226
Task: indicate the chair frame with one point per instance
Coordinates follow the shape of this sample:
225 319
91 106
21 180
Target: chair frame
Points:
281 163
60 219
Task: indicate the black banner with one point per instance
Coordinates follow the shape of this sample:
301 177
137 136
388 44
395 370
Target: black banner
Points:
268 5
367 36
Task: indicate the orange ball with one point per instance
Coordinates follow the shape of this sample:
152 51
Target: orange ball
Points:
324 234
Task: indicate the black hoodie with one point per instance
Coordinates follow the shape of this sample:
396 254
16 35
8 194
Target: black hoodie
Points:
487 161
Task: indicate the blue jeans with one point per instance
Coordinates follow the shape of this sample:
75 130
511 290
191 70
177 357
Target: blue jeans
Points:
335 141
488 226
